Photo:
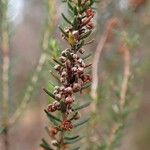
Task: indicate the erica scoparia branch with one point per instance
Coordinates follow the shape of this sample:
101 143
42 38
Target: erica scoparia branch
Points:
70 66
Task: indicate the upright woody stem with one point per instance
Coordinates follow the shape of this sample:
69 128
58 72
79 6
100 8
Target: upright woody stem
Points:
70 66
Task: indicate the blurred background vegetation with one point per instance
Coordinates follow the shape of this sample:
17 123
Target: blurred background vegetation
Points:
32 26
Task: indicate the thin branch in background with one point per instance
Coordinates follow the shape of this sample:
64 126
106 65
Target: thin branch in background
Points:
110 25
34 80
123 92
126 57
5 72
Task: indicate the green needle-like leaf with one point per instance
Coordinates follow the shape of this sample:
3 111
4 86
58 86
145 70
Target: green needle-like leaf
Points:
86 86
66 19
85 35
87 56
73 141
82 106
71 138
81 122
49 93
77 148
70 6
45 145
1 129
66 35
52 118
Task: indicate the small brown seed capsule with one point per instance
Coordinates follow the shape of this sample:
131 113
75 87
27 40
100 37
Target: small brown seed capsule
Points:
75 56
69 100
80 60
62 80
76 87
81 50
57 67
56 88
63 74
74 69
76 34
55 92
62 59
68 90
62 88
54 143
51 108
58 96
80 70
83 64
63 53
68 63
53 132
56 104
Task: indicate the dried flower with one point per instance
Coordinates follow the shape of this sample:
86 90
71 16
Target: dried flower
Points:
66 125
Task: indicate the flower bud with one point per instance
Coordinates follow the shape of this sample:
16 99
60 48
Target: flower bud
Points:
76 34
81 50
53 132
58 96
80 60
74 69
80 70
56 88
76 87
86 78
62 59
67 125
56 104
54 143
57 67
83 64
62 80
55 92
64 74
62 88
51 108
68 90
69 100
75 56
63 53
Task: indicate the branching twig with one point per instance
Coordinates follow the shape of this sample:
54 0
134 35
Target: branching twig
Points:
126 58
126 75
110 25
41 62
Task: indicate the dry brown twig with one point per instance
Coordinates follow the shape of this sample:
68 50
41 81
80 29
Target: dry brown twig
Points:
110 25
40 64
126 75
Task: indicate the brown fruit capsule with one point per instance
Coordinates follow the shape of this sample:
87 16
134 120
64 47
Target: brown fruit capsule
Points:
51 108
58 96
80 70
76 87
53 132
69 90
62 59
57 67
69 100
